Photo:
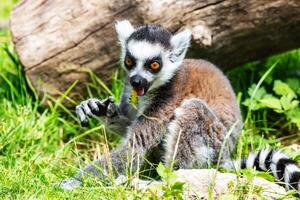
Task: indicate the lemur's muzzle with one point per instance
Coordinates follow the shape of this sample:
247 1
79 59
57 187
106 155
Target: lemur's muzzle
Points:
139 84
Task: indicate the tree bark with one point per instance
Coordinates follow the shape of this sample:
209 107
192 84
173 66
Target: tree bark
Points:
58 40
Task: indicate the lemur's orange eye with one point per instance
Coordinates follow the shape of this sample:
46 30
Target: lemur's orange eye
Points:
154 65
128 62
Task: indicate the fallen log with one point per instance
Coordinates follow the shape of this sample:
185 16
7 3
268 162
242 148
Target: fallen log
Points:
57 41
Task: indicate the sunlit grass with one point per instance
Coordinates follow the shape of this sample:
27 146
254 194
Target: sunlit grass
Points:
40 146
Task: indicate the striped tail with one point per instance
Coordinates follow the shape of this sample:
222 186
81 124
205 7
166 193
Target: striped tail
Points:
282 167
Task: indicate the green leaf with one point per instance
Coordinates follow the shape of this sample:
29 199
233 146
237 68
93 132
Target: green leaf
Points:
178 186
294 116
251 104
272 102
255 96
281 88
294 85
265 175
260 92
288 103
166 174
161 170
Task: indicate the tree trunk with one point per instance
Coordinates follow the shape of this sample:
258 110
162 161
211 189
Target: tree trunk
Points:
58 40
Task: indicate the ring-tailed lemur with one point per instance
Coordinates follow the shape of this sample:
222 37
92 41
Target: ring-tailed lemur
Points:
186 109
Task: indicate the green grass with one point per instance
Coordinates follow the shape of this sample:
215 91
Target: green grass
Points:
5 8
40 146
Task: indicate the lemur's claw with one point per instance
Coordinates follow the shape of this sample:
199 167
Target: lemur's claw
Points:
111 110
94 107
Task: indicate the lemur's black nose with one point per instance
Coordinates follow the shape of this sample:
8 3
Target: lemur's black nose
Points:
138 81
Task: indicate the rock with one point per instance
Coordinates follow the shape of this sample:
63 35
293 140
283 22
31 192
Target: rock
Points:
209 183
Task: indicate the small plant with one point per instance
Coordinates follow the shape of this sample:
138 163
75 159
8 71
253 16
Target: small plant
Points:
171 188
282 100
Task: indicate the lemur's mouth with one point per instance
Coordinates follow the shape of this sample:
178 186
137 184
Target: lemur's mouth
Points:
141 91
139 84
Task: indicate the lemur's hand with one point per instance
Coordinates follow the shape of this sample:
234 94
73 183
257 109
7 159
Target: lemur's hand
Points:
95 107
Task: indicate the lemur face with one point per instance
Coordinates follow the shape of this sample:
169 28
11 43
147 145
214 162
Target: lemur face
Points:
150 54
145 63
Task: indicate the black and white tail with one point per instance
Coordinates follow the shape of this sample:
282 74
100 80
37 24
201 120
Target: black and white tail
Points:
282 167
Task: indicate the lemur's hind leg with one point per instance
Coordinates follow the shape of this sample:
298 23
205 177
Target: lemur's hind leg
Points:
198 134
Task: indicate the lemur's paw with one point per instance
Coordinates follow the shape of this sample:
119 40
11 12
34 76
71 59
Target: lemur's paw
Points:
95 107
70 184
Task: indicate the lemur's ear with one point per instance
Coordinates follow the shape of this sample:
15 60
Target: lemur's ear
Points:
124 30
180 43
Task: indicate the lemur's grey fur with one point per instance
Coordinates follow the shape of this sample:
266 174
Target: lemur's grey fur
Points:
187 108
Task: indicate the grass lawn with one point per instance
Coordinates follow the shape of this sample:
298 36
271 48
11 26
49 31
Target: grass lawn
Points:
40 146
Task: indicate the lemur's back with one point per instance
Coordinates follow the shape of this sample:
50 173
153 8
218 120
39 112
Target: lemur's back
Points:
205 81
199 78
